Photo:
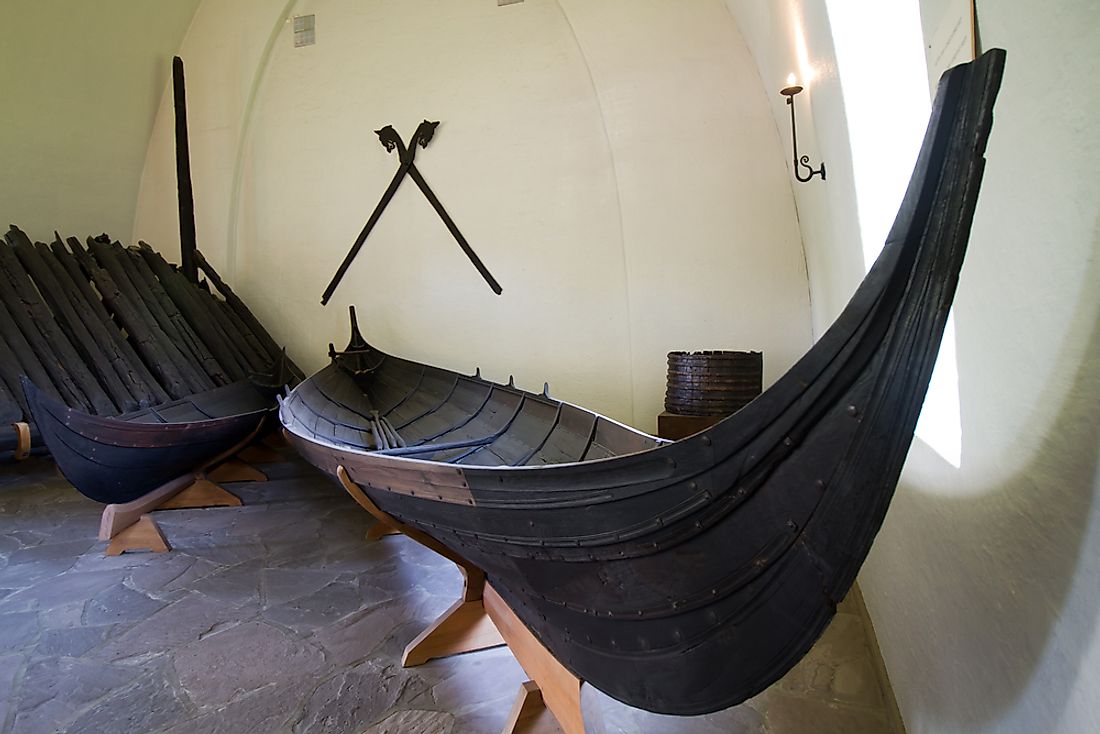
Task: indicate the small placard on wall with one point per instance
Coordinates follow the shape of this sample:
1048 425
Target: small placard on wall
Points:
953 42
304 30
508 2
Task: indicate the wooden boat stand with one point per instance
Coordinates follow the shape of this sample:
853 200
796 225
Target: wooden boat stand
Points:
129 526
481 619
23 433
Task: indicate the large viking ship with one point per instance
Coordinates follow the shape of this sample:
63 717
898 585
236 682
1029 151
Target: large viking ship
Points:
679 577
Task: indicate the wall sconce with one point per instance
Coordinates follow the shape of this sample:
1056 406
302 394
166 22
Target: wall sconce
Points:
789 92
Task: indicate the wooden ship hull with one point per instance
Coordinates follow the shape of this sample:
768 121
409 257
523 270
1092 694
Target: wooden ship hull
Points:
115 460
129 373
684 577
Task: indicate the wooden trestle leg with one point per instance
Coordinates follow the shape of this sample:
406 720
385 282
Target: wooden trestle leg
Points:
464 627
129 526
144 534
380 530
551 684
23 432
482 619
235 470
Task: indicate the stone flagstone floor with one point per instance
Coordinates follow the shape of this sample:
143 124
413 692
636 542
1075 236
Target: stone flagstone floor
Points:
278 617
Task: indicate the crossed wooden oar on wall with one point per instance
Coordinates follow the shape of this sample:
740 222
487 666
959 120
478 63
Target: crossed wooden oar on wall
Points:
392 141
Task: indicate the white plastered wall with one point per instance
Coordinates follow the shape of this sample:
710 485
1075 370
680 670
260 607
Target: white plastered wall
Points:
614 164
80 83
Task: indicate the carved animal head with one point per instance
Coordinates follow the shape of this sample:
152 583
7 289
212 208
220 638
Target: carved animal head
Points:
389 138
425 132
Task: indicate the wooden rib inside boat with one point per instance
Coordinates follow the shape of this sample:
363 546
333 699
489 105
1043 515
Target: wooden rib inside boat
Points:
681 577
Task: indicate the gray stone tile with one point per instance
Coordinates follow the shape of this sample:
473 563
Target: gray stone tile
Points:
787 714
151 703
8 544
356 637
64 616
353 699
118 603
28 574
11 666
65 551
326 605
839 668
222 551
281 585
18 630
71 641
268 709
235 585
177 624
604 715
477 681
174 571
53 690
415 722
63 588
222 666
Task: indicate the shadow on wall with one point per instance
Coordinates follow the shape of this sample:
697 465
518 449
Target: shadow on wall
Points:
1021 612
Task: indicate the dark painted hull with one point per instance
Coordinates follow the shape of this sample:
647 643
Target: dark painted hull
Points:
685 578
114 460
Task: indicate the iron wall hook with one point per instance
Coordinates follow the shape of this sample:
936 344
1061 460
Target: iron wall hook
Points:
803 161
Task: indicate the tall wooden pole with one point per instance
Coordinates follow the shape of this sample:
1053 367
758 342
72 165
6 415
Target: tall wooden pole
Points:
183 175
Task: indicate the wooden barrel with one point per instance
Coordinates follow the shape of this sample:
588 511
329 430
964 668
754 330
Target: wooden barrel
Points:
712 382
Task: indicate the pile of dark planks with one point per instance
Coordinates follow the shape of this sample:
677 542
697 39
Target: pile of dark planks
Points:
110 329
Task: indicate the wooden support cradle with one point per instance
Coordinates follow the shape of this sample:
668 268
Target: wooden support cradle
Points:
465 626
23 448
481 619
128 526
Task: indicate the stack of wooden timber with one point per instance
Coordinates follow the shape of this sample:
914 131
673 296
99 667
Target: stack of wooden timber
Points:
111 330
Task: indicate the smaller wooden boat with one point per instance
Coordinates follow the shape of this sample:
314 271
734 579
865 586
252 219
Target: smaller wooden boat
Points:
118 459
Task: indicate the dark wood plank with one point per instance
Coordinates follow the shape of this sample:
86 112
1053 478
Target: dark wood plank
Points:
77 385
148 340
17 358
270 345
130 368
90 345
110 258
196 348
186 299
